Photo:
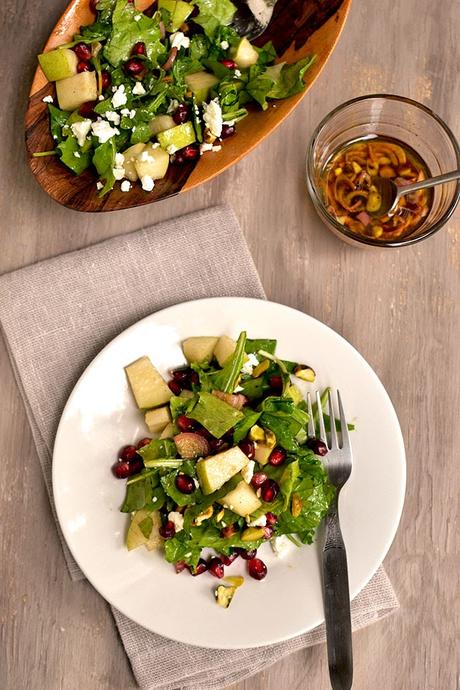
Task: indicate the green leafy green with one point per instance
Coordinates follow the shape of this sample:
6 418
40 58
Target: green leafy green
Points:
253 346
226 379
214 13
105 9
126 31
168 482
288 481
290 80
281 416
139 492
58 119
73 156
214 414
243 427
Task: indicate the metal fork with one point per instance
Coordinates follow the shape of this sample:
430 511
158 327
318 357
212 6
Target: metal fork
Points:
338 463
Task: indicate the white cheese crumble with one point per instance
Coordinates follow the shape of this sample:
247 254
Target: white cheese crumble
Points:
177 519
249 365
80 130
99 185
103 131
216 148
112 116
212 116
48 99
100 97
145 157
77 155
237 73
125 187
224 45
119 97
147 183
205 147
238 389
137 17
248 471
260 522
119 170
179 40
128 113
172 106
281 545
138 89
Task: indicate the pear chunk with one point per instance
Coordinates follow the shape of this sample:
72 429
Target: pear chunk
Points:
157 419
214 471
74 91
148 386
58 64
242 500
200 348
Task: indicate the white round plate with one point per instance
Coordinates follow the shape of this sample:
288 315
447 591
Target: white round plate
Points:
101 416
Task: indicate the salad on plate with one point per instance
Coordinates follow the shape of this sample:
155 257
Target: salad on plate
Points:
139 90
229 465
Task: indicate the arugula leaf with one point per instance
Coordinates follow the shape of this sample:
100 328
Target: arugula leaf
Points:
226 379
242 428
158 448
199 47
139 492
288 481
58 119
214 414
105 9
182 548
254 388
213 14
281 416
180 405
126 31
183 66
141 134
253 346
290 80
267 54
73 156
258 88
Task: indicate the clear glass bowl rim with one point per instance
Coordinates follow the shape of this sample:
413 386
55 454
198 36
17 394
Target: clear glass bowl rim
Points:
319 204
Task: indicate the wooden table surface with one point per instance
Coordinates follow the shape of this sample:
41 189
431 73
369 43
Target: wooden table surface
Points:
399 308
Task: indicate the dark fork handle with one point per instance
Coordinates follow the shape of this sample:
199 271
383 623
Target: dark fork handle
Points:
337 604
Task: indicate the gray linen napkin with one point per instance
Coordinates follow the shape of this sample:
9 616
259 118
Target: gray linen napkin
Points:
70 307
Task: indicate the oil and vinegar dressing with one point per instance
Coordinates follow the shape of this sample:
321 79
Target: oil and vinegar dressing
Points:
351 197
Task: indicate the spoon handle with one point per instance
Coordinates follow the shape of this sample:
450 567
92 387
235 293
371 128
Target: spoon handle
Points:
430 182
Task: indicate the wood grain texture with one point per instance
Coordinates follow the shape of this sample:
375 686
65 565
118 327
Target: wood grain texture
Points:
315 32
400 308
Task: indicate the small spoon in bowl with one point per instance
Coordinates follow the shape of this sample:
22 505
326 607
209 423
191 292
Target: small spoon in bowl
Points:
390 193
252 17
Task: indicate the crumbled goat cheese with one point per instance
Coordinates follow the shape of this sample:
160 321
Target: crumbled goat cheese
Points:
137 17
112 116
260 522
281 545
48 99
216 148
138 89
126 112
145 157
103 131
77 155
125 187
177 519
179 40
224 45
212 116
237 73
248 471
172 106
100 97
249 364
80 130
205 147
119 97
99 185
119 170
238 389
147 183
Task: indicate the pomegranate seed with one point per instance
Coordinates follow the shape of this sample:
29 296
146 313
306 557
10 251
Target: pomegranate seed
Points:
83 66
277 457
227 131
127 453
181 114
248 448
216 567
139 48
218 445
317 446
271 519
87 109
246 555
258 479
201 567
106 80
228 436
270 491
124 469
143 442
134 67
82 51
257 569
185 423
229 64
180 375
180 566
268 532
190 153
93 6
204 433
178 159
276 382
175 387
185 484
167 530
228 531
228 560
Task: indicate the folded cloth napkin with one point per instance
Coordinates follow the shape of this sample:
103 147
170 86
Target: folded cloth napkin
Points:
56 315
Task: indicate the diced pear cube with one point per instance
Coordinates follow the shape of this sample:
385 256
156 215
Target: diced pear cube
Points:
148 386
152 162
130 155
58 64
200 84
214 471
169 431
135 537
244 54
224 349
157 419
199 349
74 91
242 500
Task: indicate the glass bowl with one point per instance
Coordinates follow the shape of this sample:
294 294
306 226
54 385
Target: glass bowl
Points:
398 118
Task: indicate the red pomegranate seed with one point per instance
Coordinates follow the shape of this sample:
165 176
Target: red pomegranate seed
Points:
317 446
82 51
125 468
167 530
185 484
228 560
139 48
194 378
190 153
275 382
258 479
228 531
218 445
216 567
180 566
268 532
180 375
270 491
248 448
246 555
257 569
204 433
229 64
185 423
93 6
271 519
106 80
143 442
83 66
181 114
134 67
201 567
175 387
227 131
127 453
87 109
277 457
